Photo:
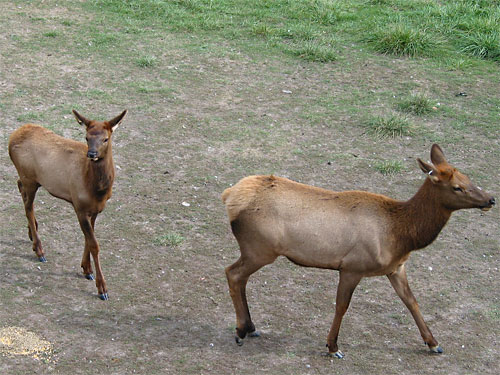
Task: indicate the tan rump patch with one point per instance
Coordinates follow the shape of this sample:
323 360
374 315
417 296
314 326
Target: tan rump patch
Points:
19 341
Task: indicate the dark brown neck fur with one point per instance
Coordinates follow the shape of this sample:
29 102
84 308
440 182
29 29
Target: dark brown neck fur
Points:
100 175
419 220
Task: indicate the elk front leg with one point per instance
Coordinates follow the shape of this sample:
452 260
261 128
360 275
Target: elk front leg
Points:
347 284
86 264
399 282
28 191
92 247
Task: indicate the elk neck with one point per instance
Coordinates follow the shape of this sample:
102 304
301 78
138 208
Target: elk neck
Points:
419 220
100 175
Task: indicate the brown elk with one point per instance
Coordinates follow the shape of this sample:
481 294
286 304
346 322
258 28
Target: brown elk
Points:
357 233
81 174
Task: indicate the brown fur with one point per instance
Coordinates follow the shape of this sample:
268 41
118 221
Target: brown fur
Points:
81 174
358 233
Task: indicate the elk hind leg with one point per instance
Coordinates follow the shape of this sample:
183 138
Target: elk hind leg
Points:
28 191
237 277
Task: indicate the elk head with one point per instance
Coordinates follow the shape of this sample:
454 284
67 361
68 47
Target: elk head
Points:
99 134
456 191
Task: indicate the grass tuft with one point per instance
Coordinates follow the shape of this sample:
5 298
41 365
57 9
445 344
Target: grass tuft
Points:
457 63
393 126
402 40
326 13
169 239
147 61
483 45
314 52
262 29
416 104
388 167
50 34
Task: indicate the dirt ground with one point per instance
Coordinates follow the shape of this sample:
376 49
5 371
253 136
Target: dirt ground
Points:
206 115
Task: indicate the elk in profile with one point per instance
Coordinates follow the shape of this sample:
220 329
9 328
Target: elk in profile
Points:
358 233
81 174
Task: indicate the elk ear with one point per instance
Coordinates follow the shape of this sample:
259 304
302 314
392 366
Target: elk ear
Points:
437 155
113 124
80 119
429 170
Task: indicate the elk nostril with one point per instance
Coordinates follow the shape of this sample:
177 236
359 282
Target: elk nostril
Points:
92 154
492 201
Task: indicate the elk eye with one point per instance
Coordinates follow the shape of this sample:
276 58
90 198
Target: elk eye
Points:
105 140
458 188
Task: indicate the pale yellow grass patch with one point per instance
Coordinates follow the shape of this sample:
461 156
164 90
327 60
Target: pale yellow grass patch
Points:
19 341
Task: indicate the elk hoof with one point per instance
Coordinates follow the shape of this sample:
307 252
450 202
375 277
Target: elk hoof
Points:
254 334
436 349
239 341
42 259
338 354
104 296
89 276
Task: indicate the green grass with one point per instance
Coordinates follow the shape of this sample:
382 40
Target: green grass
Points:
313 52
30 117
388 167
483 45
152 88
51 34
416 105
147 61
263 30
457 63
97 94
305 28
101 39
169 239
403 40
494 313
393 126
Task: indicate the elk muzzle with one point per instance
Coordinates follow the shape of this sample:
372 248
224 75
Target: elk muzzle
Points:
92 155
489 205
